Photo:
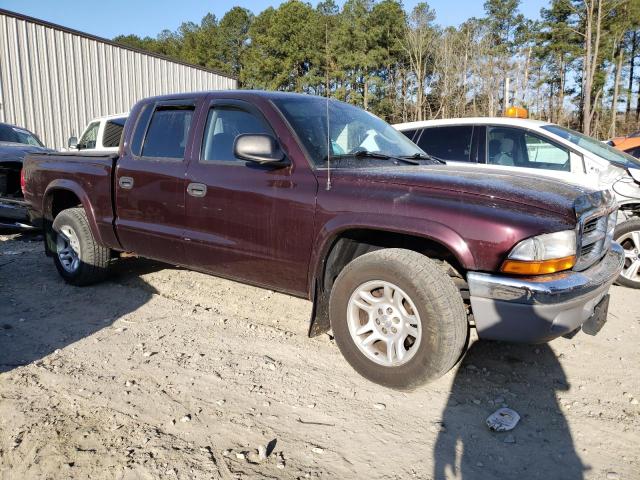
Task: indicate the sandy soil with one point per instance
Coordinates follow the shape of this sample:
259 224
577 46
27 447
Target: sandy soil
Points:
162 372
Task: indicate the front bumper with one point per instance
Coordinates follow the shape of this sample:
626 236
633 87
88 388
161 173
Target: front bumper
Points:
539 309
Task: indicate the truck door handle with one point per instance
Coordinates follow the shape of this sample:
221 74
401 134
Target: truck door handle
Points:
197 189
125 182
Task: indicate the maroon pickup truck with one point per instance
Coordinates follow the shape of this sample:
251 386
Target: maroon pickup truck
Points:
400 254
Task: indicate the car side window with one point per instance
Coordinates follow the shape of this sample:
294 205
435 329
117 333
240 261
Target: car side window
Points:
224 124
545 155
89 137
113 132
168 132
516 147
448 143
23 136
504 147
7 134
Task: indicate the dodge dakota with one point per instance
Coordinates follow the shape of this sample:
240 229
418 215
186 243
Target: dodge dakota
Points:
400 254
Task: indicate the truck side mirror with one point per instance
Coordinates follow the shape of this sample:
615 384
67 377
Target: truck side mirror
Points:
260 148
73 142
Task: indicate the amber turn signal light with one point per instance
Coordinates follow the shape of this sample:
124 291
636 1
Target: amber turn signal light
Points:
541 267
516 112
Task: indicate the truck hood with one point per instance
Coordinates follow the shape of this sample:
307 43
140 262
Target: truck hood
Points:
538 192
15 152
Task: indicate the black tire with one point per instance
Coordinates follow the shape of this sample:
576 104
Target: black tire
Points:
622 230
435 296
94 259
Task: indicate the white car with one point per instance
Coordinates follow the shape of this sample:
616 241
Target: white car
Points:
101 135
542 148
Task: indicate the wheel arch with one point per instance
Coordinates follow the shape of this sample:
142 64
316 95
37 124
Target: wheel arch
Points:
629 275
349 242
61 195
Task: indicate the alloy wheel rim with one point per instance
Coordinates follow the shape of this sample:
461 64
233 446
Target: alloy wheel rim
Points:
631 244
68 249
384 323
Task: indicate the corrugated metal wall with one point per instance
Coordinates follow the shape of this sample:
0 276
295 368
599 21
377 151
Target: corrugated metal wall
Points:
54 81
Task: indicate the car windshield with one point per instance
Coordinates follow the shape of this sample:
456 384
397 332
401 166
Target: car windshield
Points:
594 146
357 138
9 133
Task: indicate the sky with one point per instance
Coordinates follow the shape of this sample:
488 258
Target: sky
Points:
148 17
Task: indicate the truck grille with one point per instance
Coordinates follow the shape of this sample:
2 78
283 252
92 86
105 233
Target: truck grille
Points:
595 239
591 225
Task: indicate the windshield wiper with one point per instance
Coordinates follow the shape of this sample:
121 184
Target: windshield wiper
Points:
426 156
383 156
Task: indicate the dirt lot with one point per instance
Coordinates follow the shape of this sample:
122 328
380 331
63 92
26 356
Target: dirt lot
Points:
162 372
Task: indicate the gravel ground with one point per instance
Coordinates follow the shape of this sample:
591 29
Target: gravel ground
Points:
162 372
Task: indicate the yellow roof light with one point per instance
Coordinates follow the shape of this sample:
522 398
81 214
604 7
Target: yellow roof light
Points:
516 112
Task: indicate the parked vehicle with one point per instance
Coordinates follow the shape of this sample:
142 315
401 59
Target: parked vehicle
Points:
629 144
400 259
519 145
15 143
101 135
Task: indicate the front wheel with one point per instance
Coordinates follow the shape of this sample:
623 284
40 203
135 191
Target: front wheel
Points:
80 260
398 318
627 234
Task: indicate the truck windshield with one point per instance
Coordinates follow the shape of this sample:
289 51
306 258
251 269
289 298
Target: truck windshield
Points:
594 146
357 138
9 133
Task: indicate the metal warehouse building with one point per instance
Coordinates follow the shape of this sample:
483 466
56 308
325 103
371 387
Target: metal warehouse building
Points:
54 80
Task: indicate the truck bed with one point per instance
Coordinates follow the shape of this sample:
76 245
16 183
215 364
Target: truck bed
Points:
84 174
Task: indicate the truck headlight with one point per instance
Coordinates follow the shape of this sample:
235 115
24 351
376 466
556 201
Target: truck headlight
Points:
548 253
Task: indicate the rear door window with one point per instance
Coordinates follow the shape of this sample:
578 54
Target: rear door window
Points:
168 132
448 143
140 129
113 132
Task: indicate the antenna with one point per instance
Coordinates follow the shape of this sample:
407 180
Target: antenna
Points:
326 47
328 149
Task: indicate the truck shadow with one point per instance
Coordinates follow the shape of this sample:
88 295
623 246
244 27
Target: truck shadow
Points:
30 331
526 378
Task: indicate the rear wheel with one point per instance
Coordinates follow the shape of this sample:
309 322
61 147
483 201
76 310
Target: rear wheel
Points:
80 260
627 234
398 318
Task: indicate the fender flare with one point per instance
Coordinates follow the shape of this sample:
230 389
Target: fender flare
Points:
78 191
415 227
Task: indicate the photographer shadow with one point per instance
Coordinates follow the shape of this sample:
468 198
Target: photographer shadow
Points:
40 313
526 378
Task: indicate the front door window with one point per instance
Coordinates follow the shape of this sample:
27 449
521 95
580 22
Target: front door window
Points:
88 140
514 147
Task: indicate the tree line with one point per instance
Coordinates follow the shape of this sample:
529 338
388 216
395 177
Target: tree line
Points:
577 65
